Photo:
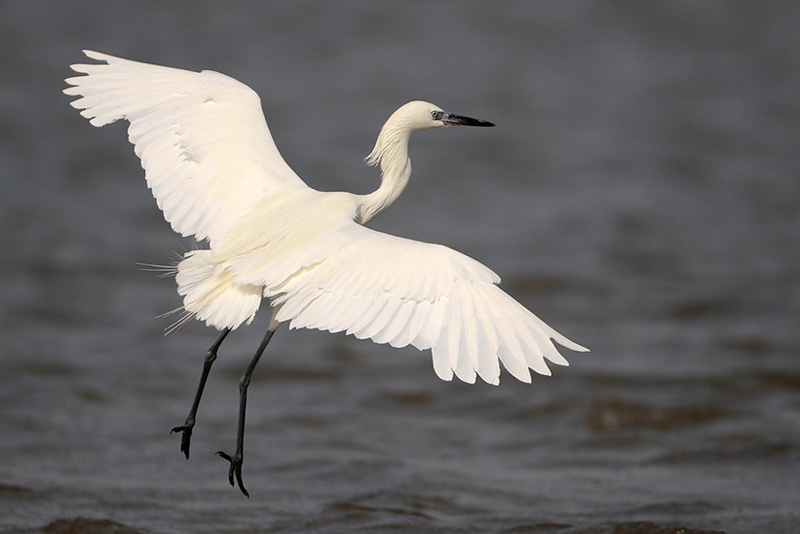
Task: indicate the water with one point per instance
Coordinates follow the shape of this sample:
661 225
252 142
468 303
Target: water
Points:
640 194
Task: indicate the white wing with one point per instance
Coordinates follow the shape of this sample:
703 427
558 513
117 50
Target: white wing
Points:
201 136
402 292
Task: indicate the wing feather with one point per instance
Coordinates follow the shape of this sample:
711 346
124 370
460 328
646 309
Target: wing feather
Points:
431 331
201 136
399 291
380 320
419 316
489 335
462 341
375 306
531 349
398 322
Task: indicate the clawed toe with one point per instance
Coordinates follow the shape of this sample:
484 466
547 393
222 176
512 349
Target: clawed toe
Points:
235 470
186 437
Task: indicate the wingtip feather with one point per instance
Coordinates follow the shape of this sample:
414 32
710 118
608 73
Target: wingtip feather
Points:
99 56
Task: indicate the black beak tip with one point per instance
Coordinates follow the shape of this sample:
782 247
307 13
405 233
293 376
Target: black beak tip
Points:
477 122
458 120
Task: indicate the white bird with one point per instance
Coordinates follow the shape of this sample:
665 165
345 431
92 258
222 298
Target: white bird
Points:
216 173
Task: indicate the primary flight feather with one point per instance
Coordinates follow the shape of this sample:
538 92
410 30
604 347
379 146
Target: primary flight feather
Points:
216 173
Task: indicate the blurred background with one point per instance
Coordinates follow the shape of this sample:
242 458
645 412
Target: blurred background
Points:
640 194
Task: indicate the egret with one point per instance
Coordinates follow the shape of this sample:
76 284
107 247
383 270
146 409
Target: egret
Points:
216 174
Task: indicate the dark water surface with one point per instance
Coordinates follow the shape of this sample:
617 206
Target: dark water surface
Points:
641 194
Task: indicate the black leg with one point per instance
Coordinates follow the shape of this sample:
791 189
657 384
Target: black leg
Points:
238 457
211 355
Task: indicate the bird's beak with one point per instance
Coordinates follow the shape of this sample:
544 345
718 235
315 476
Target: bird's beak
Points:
450 119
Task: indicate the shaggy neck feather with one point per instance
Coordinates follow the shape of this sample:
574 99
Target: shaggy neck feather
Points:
391 152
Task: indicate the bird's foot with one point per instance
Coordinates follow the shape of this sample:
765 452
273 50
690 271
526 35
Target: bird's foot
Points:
186 437
235 470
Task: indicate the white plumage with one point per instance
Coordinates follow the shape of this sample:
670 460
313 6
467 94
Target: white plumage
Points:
216 173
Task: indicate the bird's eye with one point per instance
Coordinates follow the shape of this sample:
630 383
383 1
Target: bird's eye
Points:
437 114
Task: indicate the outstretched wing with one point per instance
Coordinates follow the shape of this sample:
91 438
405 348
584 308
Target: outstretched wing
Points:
402 292
201 136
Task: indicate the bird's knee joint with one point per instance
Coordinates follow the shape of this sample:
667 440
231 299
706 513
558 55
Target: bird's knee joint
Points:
244 382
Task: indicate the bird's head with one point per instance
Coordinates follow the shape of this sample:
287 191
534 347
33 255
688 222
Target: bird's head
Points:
412 117
391 149
420 115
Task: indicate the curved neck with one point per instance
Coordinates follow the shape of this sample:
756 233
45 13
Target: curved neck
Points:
391 152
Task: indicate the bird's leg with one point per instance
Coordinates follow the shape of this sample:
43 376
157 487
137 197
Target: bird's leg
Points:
186 428
238 457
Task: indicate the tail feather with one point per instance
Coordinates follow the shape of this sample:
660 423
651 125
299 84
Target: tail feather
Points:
210 294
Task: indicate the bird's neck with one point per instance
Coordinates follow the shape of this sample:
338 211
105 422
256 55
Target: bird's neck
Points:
391 152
